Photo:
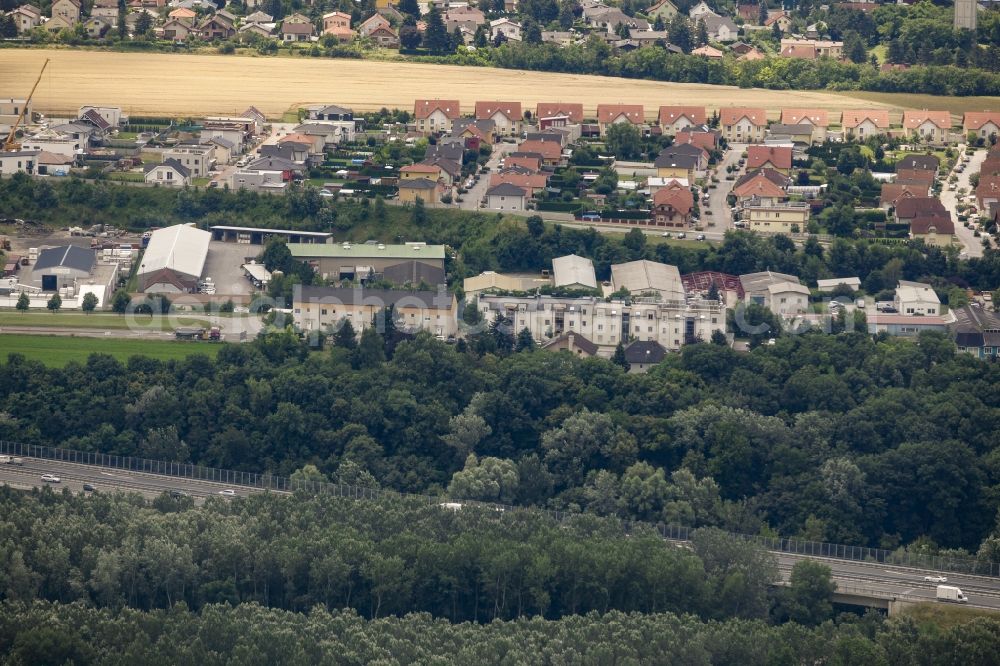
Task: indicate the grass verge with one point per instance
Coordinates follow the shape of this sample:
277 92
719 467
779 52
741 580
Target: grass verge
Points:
57 351
946 615
98 321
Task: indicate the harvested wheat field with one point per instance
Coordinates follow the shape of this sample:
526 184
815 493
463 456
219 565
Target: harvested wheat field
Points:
164 84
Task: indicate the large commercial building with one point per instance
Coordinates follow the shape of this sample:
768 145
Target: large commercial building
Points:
58 267
648 278
174 260
326 308
412 262
573 271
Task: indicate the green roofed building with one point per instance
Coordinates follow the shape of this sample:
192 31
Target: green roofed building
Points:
411 263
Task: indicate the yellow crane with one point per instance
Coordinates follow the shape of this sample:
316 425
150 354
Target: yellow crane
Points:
10 143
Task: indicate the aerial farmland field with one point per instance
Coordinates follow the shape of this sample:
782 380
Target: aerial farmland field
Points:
191 85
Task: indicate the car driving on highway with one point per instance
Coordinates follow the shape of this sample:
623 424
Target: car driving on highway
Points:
936 579
228 492
50 478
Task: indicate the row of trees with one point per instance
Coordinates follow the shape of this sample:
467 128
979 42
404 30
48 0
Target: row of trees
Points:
596 56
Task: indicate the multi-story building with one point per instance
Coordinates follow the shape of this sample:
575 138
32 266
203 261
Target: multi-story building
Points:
931 126
976 331
818 121
743 124
776 217
862 123
435 115
672 323
10 109
506 115
325 308
199 159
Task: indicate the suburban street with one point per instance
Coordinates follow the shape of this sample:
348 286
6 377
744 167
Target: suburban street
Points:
471 199
851 576
720 208
973 246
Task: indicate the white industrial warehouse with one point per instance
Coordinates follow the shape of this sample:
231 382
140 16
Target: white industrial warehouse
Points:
174 260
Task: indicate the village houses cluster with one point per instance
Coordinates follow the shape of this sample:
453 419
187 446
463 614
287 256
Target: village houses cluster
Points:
201 20
649 307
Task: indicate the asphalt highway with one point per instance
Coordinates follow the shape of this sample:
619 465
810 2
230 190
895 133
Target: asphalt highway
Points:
74 475
851 576
901 582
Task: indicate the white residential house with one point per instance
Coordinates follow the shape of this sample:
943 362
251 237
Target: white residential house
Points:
701 10
511 30
916 298
169 173
199 160
505 196
507 116
18 161
26 17
778 292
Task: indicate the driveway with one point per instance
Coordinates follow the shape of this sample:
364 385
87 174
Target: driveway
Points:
973 246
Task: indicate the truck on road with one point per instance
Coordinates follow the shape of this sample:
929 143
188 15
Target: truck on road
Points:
951 593
189 333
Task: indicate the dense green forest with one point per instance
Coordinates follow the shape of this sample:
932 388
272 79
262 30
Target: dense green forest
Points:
490 242
834 437
53 633
379 558
114 578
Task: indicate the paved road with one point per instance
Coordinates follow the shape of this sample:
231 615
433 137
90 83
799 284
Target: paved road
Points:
472 198
231 328
983 591
973 245
74 475
884 579
720 208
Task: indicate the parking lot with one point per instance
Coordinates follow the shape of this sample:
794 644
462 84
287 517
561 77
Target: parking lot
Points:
223 266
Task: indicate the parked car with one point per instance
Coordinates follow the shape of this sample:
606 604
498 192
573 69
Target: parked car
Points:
50 478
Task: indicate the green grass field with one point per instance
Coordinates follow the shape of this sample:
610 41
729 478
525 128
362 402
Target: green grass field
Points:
56 351
956 105
100 321
946 616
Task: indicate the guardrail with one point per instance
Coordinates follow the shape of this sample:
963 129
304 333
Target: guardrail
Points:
670 532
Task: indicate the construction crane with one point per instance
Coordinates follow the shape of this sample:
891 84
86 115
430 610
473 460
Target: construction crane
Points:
11 141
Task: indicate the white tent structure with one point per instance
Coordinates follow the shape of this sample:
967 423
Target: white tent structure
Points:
174 259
